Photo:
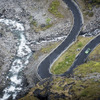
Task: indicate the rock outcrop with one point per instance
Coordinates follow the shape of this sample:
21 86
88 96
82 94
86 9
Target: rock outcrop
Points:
84 84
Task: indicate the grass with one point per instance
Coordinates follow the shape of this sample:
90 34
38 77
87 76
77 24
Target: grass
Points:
48 20
87 68
53 8
29 96
80 44
49 47
34 23
66 59
46 27
86 10
95 54
72 88
45 50
79 90
89 13
37 27
88 90
87 6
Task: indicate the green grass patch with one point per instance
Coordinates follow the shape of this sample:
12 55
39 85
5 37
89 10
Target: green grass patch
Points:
86 90
41 27
54 9
46 27
87 68
38 28
80 44
66 59
72 88
45 50
49 47
89 13
34 23
48 21
80 90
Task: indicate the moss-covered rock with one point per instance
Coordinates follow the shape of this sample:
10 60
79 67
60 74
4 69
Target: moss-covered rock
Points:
83 85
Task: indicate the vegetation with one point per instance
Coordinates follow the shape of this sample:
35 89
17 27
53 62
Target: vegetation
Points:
66 59
82 87
95 55
86 90
45 50
49 47
34 23
46 27
48 21
87 68
80 44
87 7
89 13
55 4
92 1
42 27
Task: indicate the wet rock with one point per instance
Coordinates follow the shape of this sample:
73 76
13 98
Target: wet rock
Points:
43 25
1 60
3 11
0 14
1 35
37 93
59 96
47 95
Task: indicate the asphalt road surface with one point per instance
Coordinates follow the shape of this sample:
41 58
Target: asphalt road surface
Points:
81 58
43 69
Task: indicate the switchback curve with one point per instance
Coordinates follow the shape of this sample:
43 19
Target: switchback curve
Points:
81 58
43 68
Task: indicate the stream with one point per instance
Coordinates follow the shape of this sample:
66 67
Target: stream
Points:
20 61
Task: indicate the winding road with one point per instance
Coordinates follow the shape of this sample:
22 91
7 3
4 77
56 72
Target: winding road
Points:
43 69
81 58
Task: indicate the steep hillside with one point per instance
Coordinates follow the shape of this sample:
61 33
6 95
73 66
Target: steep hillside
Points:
47 23
84 84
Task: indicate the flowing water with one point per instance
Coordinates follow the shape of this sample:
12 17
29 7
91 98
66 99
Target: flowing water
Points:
21 60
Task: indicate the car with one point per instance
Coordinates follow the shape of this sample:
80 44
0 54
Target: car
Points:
87 51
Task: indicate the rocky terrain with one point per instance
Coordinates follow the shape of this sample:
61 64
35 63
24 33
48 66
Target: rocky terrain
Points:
93 26
84 84
7 52
41 26
30 12
91 15
35 10
48 89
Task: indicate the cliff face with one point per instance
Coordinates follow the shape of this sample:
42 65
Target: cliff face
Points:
84 84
